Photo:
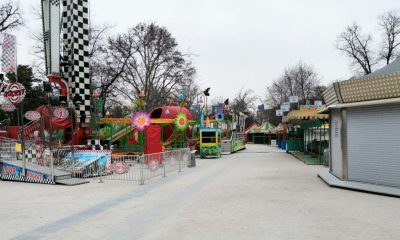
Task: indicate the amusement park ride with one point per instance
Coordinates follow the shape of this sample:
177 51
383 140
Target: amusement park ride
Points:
164 128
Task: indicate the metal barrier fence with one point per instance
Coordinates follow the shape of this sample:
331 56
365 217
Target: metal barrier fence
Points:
65 159
139 168
145 167
7 149
123 167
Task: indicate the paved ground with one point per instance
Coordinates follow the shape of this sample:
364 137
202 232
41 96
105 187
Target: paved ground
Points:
259 193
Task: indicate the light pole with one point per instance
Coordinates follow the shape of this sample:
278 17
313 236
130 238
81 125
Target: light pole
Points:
76 102
95 96
141 104
207 94
141 100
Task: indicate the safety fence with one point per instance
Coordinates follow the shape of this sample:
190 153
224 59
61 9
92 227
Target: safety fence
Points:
7 149
60 162
145 167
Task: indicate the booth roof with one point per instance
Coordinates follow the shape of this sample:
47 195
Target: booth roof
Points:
255 125
393 67
381 84
304 115
266 127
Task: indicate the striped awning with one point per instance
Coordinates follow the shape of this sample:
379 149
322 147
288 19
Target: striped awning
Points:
304 115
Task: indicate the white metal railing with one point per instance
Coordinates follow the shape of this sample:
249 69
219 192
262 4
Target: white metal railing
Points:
145 167
7 149
139 168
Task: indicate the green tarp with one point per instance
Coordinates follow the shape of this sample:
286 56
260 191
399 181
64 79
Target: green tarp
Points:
312 124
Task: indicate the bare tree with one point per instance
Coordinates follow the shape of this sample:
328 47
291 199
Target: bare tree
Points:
155 66
288 81
300 80
389 22
276 94
306 79
356 45
317 93
244 101
10 16
191 90
108 68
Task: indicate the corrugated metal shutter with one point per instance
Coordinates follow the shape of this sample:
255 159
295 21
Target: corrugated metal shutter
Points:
374 145
336 144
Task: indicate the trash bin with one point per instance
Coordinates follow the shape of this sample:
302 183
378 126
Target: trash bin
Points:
283 145
192 162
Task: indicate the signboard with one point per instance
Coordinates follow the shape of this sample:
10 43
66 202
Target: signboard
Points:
18 147
318 103
60 113
36 176
32 115
285 108
87 159
8 107
118 168
153 165
312 107
9 169
15 93
294 99
279 113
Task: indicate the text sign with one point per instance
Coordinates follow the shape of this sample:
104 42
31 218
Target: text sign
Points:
294 99
285 108
318 103
8 107
60 113
15 93
119 168
32 115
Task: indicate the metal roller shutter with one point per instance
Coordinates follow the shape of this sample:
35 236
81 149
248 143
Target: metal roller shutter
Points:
374 144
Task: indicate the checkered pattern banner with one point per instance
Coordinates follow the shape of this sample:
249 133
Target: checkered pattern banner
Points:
94 144
9 53
55 2
31 154
25 179
46 35
76 50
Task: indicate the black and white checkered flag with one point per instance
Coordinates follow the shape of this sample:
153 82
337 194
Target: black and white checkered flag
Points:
55 2
9 53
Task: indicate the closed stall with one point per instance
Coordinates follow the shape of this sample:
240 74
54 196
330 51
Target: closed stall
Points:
373 144
365 132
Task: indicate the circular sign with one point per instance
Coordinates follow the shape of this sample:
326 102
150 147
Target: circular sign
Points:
60 113
153 165
119 168
32 115
171 161
15 92
8 107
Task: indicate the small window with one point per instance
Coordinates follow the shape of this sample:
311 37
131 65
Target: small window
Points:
208 137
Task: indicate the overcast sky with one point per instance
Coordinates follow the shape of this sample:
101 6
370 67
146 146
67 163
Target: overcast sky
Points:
236 43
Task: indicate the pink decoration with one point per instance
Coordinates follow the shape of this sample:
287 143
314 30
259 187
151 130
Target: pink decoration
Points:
140 120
